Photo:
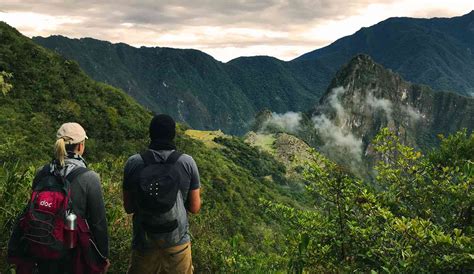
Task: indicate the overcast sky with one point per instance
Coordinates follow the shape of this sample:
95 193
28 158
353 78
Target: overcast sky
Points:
225 29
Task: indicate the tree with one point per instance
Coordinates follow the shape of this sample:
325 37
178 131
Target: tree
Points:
4 86
416 216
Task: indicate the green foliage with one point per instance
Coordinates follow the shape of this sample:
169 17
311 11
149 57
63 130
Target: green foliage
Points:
230 234
5 87
260 163
415 186
417 218
192 86
48 90
14 193
454 149
15 182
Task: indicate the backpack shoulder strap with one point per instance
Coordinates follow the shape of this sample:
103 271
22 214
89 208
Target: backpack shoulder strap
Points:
75 173
174 156
148 157
42 173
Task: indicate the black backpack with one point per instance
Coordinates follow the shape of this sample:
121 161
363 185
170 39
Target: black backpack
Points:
157 191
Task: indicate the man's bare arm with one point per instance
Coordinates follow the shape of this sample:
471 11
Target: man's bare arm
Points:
194 201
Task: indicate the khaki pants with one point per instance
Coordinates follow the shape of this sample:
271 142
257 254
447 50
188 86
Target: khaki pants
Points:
176 259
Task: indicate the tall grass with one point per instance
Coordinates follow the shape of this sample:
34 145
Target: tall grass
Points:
15 188
217 246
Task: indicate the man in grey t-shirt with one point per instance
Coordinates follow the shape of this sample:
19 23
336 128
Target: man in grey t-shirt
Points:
169 253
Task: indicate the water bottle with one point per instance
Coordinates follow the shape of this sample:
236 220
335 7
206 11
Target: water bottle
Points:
70 233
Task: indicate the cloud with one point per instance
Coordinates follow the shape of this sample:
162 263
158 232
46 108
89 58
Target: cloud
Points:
338 142
205 12
225 29
289 122
412 113
379 104
334 103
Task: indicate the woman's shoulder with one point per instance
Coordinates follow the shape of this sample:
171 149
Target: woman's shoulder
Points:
89 175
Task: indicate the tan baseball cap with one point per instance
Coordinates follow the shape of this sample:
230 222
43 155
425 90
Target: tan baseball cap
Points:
72 133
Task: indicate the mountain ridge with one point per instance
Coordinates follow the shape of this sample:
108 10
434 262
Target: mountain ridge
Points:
437 51
208 94
194 87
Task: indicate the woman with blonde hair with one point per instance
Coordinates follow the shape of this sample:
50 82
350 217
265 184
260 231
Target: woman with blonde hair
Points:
66 197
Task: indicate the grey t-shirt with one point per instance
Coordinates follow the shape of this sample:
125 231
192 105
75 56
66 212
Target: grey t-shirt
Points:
186 166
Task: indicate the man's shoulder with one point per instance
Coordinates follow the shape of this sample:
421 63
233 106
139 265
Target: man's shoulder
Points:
134 161
186 160
135 158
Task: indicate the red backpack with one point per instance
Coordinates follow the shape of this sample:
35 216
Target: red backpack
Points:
40 232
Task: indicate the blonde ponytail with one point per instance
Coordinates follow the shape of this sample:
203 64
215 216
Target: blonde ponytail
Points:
60 151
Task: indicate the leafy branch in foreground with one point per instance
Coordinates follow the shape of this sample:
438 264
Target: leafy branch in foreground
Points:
417 216
432 187
4 86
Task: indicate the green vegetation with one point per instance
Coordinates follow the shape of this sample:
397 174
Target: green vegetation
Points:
417 218
264 142
232 233
45 90
207 137
5 87
259 163
192 86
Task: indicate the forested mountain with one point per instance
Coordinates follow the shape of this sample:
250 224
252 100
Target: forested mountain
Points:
208 94
41 90
48 90
364 97
416 216
438 52
192 86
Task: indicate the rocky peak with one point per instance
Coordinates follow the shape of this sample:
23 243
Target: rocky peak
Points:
362 73
365 97
363 91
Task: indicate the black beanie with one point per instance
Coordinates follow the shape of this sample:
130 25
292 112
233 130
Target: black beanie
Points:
162 127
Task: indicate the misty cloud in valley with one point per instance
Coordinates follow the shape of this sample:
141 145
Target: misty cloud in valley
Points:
288 122
339 142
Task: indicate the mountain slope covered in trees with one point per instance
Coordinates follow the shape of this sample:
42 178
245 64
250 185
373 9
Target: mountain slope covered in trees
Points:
207 94
416 217
438 52
192 86
41 90
364 98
